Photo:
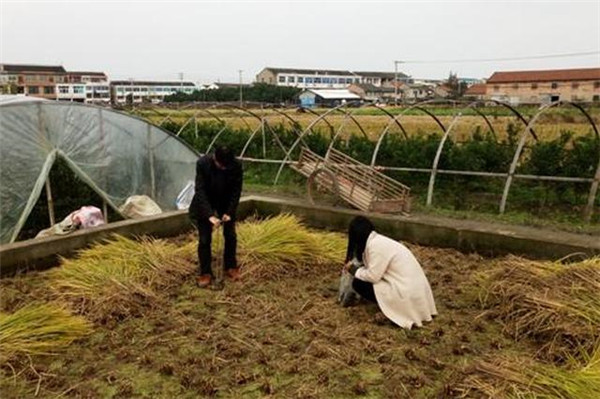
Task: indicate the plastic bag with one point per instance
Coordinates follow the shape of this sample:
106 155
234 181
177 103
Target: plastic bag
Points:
346 294
184 199
139 206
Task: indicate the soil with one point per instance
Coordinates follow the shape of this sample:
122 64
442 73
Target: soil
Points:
285 338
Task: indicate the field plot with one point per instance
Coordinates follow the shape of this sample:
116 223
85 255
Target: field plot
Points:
125 319
374 122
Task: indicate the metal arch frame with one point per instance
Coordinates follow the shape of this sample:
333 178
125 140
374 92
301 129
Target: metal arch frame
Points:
521 144
168 116
389 114
237 108
345 112
438 154
337 133
397 118
263 123
511 109
295 123
316 114
436 160
195 116
307 129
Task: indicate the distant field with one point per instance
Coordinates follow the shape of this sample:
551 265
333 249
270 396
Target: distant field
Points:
374 121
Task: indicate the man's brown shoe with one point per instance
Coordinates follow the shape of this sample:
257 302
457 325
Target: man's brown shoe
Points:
203 281
234 274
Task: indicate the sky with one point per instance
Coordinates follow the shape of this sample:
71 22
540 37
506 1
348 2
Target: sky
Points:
213 41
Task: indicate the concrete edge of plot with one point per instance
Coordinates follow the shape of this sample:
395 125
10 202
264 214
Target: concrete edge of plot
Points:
486 238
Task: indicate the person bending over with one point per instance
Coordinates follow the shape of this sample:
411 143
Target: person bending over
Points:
390 275
218 188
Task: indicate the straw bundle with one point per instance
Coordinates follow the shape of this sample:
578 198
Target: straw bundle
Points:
515 377
554 304
120 277
38 329
279 246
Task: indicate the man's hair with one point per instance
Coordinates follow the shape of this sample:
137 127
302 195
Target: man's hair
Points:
224 156
358 232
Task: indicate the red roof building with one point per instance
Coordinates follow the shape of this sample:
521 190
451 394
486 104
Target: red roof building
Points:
534 87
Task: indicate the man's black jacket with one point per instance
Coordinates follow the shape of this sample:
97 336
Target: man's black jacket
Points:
217 191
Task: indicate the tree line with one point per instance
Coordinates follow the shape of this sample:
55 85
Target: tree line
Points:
258 92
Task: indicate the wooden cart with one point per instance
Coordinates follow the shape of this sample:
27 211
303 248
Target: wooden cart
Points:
356 183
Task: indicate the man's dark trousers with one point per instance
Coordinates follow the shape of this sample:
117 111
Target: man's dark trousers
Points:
205 228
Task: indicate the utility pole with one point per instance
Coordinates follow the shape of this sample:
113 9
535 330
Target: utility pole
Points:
241 95
396 81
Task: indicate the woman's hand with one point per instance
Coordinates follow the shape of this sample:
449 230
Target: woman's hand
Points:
347 266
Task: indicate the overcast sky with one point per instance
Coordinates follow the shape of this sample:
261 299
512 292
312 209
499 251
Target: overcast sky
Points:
211 41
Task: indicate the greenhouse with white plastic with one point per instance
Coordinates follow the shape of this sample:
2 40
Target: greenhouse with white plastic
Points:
117 155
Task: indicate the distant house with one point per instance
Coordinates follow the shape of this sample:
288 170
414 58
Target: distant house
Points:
413 92
442 91
31 80
372 93
534 87
140 91
326 98
53 82
476 91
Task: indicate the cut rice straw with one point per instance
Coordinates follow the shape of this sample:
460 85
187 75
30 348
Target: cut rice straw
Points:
556 305
39 329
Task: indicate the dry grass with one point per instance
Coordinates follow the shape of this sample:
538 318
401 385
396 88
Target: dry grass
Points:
120 277
279 247
556 305
280 333
520 377
38 329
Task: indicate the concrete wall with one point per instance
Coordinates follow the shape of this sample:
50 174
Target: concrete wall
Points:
467 236
44 252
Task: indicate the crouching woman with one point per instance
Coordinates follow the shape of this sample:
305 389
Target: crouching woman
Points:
390 275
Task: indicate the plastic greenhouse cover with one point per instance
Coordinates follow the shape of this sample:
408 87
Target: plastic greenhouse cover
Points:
117 155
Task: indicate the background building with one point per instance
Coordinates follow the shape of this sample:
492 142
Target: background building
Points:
88 87
534 87
135 91
476 92
53 82
33 80
325 78
372 93
326 98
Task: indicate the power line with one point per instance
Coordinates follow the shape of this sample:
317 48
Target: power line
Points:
534 57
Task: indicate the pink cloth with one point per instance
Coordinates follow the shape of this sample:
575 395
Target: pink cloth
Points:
88 216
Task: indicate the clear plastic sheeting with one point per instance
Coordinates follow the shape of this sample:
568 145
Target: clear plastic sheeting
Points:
115 154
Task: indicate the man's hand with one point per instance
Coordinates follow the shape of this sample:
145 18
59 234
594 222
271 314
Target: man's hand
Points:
226 218
215 221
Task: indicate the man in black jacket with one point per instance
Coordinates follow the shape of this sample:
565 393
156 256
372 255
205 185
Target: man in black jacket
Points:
217 194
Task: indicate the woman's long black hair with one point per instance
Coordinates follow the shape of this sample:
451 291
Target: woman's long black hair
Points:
358 233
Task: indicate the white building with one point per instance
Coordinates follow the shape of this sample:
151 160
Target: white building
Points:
88 87
326 97
147 91
325 78
70 92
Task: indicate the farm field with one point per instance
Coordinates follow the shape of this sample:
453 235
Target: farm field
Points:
146 330
373 122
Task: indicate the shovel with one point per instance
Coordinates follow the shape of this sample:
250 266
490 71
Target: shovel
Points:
218 269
